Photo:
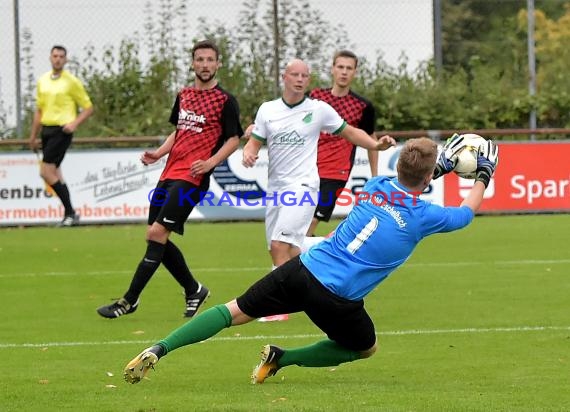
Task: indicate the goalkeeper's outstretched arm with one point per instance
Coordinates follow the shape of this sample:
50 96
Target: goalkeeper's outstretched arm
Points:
475 197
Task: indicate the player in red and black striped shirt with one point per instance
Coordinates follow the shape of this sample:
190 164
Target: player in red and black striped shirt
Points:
207 132
336 156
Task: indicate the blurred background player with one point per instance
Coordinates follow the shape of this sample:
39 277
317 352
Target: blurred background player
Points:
58 96
207 132
331 280
335 157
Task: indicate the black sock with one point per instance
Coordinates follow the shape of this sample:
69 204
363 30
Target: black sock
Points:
158 350
63 193
173 260
145 270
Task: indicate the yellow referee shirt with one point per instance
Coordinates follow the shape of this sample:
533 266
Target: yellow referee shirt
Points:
58 99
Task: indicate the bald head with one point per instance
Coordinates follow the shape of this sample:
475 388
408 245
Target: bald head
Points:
296 79
297 65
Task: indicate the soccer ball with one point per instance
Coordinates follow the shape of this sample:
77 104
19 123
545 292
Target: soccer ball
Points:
466 155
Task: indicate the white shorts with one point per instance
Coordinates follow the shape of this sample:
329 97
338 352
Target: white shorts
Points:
289 221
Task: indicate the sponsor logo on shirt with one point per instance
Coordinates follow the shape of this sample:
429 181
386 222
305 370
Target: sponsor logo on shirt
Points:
288 139
308 118
191 121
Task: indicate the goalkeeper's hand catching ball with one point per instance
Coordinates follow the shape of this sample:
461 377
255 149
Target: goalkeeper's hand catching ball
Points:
487 160
444 163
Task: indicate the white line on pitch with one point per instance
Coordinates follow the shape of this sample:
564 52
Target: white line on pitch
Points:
264 269
300 336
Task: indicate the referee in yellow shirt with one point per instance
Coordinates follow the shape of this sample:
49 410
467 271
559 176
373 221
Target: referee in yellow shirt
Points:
59 94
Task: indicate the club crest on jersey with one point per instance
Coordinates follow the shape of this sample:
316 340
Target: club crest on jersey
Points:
289 139
308 118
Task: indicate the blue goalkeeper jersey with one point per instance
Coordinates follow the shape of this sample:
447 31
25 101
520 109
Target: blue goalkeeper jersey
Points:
377 236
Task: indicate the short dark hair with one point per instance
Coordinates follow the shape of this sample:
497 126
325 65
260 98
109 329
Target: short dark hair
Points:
206 44
417 159
345 53
58 47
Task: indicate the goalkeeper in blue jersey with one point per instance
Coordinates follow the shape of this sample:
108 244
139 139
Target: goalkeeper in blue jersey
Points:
330 280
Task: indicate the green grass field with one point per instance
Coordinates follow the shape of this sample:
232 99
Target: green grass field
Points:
477 320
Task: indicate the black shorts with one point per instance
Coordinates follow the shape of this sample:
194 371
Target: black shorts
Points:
328 194
171 203
55 143
292 288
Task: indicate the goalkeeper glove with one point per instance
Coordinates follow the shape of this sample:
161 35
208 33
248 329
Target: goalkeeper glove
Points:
446 161
487 160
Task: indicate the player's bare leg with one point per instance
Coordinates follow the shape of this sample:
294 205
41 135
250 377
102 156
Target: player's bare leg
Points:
281 252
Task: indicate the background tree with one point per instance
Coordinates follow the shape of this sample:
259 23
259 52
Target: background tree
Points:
552 37
249 59
489 30
484 83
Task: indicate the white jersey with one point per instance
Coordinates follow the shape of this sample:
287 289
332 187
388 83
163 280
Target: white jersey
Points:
292 135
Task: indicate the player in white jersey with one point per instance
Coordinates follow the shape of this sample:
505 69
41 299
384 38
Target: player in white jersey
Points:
290 126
